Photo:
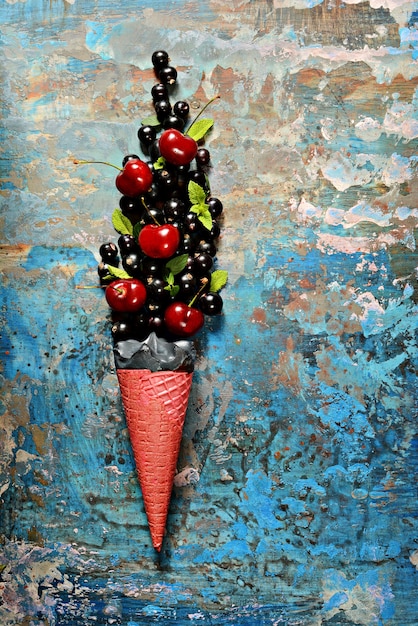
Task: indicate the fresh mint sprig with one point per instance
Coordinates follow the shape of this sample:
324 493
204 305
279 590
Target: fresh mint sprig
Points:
172 268
197 197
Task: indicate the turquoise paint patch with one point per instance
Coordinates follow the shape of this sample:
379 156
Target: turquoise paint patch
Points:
97 39
258 502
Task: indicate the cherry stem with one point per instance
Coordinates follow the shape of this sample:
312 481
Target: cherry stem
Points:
83 162
116 289
201 111
149 212
197 294
89 287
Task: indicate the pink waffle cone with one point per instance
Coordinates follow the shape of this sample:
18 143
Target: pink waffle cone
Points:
155 405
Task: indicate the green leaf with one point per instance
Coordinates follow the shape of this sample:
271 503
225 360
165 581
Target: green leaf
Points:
197 208
121 223
177 264
159 163
151 120
199 129
218 280
206 219
118 273
136 229
173 289
197 195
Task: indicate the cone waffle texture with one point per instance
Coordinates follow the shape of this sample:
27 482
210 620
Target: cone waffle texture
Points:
155 405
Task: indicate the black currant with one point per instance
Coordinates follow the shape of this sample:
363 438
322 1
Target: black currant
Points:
215 206
156 324
130 205
187 246
202 263
151 267
168 75
173 121
160 59
174 209
129 157
210 303
141 326
108 252
215 231
159 92
153 198
147 135
187 283
103 271
206 246
191 223
122 330
132 263
156 289
127 244
162 109
202 157
153 215
198 177
181 109
166 180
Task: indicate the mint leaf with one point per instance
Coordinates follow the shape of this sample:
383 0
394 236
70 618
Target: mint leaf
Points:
136 230
151 120
177 264
218 280
174 291
118 273
206 219
159 163
199 129
121 223
169 278
197 194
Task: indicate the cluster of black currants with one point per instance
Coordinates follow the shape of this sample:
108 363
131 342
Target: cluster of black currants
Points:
166 202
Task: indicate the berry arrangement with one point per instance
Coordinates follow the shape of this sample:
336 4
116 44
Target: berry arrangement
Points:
161 275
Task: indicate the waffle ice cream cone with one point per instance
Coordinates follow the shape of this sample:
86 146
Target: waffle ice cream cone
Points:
155 405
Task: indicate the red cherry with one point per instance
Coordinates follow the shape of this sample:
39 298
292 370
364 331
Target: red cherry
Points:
183 320
135 179
126 295
159 241
177 148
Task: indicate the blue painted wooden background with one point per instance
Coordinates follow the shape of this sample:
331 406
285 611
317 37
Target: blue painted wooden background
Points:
301 506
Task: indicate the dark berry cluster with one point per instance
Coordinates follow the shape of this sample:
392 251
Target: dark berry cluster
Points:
161 276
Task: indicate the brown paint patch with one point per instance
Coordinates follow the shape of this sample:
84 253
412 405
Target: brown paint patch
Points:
310 77
259 316
39 436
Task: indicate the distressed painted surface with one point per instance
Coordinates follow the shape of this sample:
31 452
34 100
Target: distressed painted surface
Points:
296 499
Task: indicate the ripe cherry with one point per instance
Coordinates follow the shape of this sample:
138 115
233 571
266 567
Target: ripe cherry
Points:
177 148
159 241
126 295
135 179
183 320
